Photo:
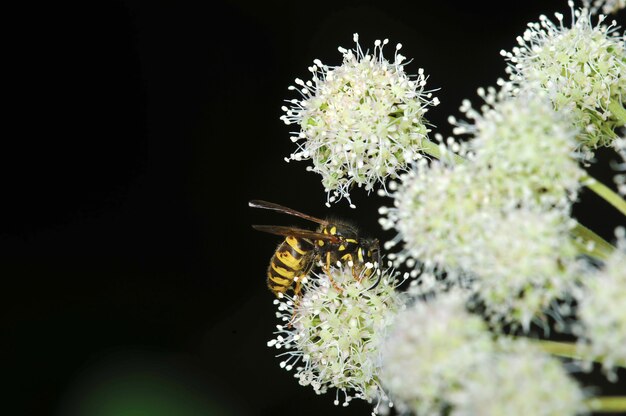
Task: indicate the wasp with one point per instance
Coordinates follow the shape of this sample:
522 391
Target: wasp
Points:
332 242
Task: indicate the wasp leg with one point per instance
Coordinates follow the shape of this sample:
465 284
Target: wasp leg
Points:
376 269
330 277
356 275
378 277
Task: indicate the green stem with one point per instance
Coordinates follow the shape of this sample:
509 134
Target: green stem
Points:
600 248
606 193
584 249
618 110
433 149
560 349
607 404
567 350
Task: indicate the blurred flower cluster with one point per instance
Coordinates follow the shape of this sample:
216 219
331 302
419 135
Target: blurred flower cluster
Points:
488 264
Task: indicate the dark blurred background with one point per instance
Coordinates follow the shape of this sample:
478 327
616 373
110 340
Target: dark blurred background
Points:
136 134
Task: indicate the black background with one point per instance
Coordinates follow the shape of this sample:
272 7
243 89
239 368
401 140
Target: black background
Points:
136 134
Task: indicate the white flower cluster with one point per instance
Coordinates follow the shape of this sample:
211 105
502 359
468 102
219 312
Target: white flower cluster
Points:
431 206
502 216
440 359
602 311
525 263
607 6
527 146
331 336
486 226
582 68
360 122
432 347
519 380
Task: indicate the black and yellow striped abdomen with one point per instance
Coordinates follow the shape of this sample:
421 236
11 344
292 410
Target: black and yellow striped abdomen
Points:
293 258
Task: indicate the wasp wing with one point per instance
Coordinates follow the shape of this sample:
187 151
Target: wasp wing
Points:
256 203
296 232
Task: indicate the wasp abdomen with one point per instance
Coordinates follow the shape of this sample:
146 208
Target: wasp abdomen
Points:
293 258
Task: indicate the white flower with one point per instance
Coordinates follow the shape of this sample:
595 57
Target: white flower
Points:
441 213
602 311
524 261
432 347
582 68
331 337
525 144
608 6
430 205
518 259
521 153
500 220
360 122
520 380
